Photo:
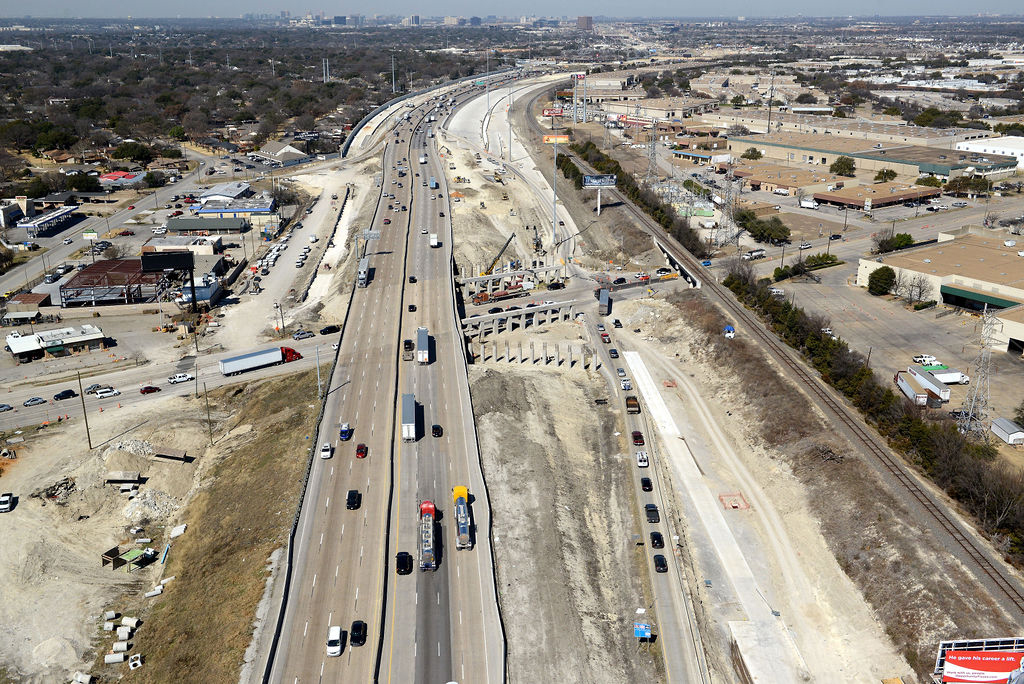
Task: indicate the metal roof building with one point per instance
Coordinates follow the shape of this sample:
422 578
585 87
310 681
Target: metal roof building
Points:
111 281
58 342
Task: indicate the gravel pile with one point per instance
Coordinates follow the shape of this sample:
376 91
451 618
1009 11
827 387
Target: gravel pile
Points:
150 505
135 447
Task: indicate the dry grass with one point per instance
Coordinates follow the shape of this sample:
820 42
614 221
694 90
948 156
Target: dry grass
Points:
199 629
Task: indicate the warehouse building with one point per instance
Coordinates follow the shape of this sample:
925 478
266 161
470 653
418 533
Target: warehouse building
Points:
868 197
905 160
663 107
207 226
970 268
756 121
111 281
1008 146
53 343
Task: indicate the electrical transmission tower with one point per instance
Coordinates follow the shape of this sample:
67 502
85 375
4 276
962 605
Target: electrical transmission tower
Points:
652 154
975 407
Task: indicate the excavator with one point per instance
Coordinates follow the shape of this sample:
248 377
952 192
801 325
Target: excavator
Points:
494 263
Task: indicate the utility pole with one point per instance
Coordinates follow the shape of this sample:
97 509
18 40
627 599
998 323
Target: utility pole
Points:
508 115
487 80
771 96
394 87
209 421
85 414
319 385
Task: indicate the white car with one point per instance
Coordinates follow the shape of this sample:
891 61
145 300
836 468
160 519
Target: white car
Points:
68 241
159 231
107 393
641 459
180 377
925 359
334 640
626 384
326 451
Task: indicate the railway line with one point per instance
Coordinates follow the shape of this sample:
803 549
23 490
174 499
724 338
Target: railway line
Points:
999 578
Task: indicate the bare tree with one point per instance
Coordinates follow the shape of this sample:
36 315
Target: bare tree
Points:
919 289
115 252
899 285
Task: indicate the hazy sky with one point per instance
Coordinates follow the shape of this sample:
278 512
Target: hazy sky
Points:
723 8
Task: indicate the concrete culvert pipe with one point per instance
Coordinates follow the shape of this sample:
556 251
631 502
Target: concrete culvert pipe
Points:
119 647
112 658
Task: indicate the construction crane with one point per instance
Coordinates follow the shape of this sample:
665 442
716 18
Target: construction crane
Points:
494 263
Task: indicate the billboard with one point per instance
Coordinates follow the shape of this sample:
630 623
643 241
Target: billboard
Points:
985 667
553 111
563 139
157 262
602 181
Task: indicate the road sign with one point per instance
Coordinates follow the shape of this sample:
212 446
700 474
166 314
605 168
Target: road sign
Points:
553 111
602 181
90 234
641 630
579 76
556 139
371 235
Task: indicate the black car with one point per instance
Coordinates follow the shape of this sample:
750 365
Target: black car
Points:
357 637
495 309
412 279
614 353
412 308
403 563
354 498
436 431
657 541
646 484
650 509
556 286
835 236
660 564
64 394
330 330
617 323
619 281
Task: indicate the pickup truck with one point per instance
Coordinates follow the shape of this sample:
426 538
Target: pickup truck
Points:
180 377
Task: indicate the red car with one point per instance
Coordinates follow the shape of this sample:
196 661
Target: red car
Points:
188 200
149 389
387 222
361 451
638 438
126 233
177 212
131 206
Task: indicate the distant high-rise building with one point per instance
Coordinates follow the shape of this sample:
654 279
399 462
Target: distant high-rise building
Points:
451 21
339 20
585 23
285 14
414 20
355 20
474 21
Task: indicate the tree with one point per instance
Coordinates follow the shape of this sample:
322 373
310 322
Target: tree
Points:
154 179
738 101
890 242
885 175
929 181
919 289
880 281
115 252
1018 416
843 166
892 111
806 98
137 152
84 183
176 132
751 153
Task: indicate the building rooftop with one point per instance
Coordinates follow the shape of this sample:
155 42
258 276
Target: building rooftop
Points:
767 172
19 343
878 193
976 257
1006 142
231 189
882 128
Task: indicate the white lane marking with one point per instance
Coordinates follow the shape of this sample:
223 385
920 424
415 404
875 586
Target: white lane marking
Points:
329 616
460 617
438 598
438 649
342 530
321 669
314 584
416 598
327 504
305 628
321 539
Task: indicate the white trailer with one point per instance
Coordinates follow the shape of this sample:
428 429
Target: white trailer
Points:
928 383
423 159
808 204
408 418
910 390
434 242
951 376
422 345
363 277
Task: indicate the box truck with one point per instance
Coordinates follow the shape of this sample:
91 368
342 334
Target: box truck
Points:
408 418
422 346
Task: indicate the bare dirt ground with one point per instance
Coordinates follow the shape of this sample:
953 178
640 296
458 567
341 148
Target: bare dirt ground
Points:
53 588
917 592
569 578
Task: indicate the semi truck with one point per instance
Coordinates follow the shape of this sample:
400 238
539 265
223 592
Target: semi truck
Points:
910 389
460 498
428 558
408 350
260 359
423 159
753 254
511 292
434 242
408 418
950 376
928 383
422 346
433 183
604 302
632 404
430 132
363 278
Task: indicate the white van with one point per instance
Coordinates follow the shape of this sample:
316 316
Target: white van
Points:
314 238
107 393
334 640
776 291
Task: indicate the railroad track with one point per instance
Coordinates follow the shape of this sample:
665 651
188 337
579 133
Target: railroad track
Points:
939 513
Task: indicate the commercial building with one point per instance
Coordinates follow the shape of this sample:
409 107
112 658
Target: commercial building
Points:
905 160
121 179
48 222
51 343
663 107
280 153
868 197
206 226
1008 146
585 23
226 191
970 268
771 177
207 245
244 208
756 121
111 281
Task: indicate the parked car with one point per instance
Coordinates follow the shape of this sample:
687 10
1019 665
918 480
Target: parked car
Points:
651 510
657 541
641 459
126 233
6 502
638 438
65 394
646 484
149 389
660 564
6 407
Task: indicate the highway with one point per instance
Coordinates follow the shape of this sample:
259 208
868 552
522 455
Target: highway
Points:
344 559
